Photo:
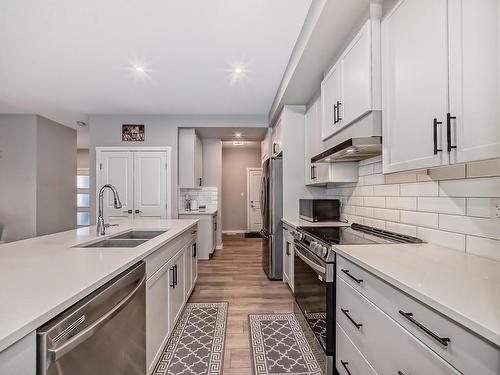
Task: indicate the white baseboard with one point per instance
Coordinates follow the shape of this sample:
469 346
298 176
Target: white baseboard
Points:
234 231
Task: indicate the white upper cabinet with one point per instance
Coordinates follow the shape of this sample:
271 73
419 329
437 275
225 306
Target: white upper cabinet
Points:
474 79
190 159
351 89
322 173
440 83
265 146
276 139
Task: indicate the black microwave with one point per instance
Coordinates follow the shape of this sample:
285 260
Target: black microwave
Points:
319 209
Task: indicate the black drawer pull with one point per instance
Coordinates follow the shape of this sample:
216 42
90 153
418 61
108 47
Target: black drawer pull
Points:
442 340
173 277
344 363
359 281
435 131
346 313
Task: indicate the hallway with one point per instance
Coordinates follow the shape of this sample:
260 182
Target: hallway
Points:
235 275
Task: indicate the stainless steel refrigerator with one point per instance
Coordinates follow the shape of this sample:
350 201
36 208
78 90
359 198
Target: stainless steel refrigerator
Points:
271 203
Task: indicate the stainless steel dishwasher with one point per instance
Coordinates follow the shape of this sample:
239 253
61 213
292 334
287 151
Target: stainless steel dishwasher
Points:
105 333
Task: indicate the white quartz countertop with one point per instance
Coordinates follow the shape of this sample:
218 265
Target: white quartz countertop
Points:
462 286
198 212
42 276
294 223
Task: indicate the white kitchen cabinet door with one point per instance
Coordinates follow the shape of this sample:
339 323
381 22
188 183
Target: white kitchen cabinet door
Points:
150 185
318 172
214 233
331 97
117 168
357 77
20 357
194 263
288 255
157 314
276 137
415 84
190 159
177 292
198 166
474 79
188 268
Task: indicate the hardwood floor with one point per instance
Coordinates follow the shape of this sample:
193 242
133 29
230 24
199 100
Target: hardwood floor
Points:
235 275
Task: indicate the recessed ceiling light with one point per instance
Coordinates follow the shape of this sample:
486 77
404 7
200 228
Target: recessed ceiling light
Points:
237 135
238 143
81 123
139 69
238 70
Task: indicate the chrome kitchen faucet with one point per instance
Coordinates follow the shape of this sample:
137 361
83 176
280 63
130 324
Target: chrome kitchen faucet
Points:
101 227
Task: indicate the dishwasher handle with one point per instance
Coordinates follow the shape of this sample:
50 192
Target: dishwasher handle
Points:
56 354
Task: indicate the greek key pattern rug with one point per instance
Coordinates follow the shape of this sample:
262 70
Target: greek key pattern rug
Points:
279 346
196 347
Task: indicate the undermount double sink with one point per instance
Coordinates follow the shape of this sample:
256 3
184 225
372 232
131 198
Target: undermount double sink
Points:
132 238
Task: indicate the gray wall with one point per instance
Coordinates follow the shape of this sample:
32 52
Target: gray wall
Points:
234 182
161 130
38 176
83 158
212 174
56 177
18 176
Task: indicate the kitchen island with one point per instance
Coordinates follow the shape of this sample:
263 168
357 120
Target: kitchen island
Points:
42 276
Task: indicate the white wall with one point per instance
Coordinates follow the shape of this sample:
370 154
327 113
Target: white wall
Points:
161 130
212 174
436 207
38 176
18 176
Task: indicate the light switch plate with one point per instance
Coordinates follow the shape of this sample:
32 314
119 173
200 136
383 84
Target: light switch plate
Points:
495 209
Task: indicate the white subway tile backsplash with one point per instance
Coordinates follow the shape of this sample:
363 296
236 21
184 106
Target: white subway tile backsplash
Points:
445 205
374 179
375 202
442 238
364 211
386 190
401 203
386 214
476 226
479 207
352 219
484 247
374 223
474 187
349 210
410 230
420 189
375 159
422 219
366 170
377 168
353 201
363 191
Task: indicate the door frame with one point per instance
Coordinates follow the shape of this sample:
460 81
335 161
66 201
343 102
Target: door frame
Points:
248 194
98 157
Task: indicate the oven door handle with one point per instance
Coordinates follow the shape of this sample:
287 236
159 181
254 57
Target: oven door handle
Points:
314 266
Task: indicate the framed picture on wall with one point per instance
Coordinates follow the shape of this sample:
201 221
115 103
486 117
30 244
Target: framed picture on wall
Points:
132 132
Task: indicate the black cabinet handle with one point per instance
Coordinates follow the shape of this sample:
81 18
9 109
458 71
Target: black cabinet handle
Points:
287 251
173 277
359 281
274 147
346 313
442 340
449 117
314 170
334 114
435 130
345 364
194 250
200 181
338 111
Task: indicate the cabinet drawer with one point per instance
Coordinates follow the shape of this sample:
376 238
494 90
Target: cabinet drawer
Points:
386 345
161 256
349 358
465 351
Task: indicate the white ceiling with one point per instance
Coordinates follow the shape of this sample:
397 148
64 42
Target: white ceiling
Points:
67 59
229 134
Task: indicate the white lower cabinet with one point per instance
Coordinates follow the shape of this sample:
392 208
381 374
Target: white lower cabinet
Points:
207 233
387 346
168 288
349 360
19 358
288 255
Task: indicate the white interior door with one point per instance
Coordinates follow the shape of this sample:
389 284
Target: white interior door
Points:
150 184
254 176
117 169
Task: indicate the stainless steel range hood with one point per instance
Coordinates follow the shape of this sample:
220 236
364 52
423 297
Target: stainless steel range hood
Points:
354 149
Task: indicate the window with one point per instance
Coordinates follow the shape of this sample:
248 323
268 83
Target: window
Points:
82 197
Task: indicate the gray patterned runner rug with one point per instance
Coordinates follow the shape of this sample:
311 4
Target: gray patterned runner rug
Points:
196 346
280 347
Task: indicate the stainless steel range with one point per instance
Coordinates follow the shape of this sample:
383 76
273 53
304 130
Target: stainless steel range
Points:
314 277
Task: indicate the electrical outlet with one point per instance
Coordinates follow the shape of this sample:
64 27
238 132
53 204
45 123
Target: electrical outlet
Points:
495 209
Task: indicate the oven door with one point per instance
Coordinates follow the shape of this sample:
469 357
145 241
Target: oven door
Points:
314 295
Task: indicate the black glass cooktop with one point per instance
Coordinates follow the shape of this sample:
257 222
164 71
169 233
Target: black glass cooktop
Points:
357 234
